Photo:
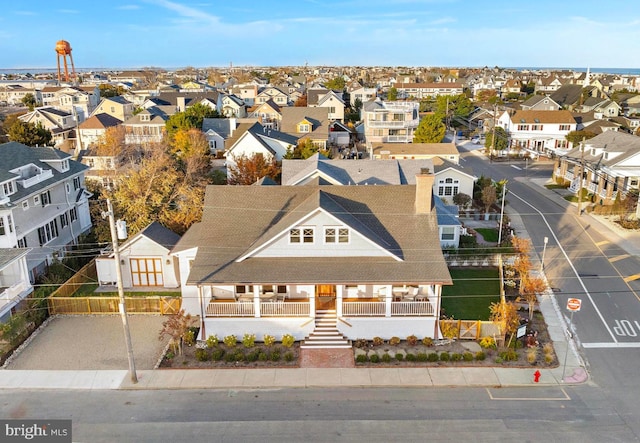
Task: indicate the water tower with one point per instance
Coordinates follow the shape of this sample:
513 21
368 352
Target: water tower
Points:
63 49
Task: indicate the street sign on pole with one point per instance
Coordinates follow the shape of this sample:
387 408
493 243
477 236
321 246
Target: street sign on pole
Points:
573 304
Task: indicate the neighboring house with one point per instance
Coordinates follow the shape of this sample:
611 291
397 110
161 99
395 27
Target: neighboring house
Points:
77 100
629 124
247 93
14 94
389 122
426 90
540 103
611 166
415 151
548 85
90 130
144 260
306 123
221 133
14 279
340 135
539 131
178 101
260 140
43 202
351 256
334 104
117 107
148 126
232 106
512 86
61 124
602 106
567 96
363 94
269 115
278 96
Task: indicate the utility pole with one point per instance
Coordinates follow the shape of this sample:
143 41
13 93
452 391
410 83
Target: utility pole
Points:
123 310
493 133
580 178
504 194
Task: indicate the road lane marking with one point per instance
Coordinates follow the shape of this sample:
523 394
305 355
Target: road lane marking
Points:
575 271
502 390
632 278
603 242
596 345
619 257
516 167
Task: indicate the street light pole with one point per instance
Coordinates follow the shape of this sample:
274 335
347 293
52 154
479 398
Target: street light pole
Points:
123 310
504 194
544 249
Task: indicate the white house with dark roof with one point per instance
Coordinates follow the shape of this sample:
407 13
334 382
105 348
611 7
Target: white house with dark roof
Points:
389 122
14 280
611 166
257 139
539 131
43 202
145 260
284 259
60 123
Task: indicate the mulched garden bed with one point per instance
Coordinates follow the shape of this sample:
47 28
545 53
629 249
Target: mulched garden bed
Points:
222 356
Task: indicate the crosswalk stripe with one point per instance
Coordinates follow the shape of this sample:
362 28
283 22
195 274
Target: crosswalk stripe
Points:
631 278
619 257
610 345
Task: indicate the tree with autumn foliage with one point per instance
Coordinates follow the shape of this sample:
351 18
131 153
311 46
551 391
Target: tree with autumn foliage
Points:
301 102
246 170
505 314
532 287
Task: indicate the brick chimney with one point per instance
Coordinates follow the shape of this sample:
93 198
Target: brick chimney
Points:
424 191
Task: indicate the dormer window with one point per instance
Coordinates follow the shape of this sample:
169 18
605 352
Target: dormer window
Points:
336 235
145 117
304 127
9 188
301 235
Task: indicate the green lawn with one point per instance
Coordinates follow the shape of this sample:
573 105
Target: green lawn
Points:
88 290
472 292
489 234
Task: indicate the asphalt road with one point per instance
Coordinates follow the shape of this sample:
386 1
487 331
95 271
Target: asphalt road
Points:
582 260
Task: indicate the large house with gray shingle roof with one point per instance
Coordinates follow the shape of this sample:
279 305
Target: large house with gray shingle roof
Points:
540 132
306 123
43 202
611 167
363 261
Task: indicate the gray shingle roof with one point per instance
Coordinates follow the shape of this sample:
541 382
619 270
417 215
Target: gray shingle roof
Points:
14 155
161 235
237 219
9 255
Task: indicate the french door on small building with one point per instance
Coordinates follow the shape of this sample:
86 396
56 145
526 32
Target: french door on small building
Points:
146 272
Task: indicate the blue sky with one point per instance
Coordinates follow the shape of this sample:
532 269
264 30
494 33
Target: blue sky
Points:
178 33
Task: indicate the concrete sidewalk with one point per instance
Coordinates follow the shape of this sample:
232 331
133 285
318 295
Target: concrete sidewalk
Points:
274 378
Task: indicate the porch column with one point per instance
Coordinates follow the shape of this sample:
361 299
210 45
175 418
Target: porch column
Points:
256 301
339 291
312 305
388 298
438 292
203 332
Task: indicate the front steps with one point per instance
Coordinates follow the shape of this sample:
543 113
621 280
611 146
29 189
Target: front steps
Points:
326 335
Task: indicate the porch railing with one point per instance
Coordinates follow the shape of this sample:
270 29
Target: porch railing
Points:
267 309
293 309
363 309
412 308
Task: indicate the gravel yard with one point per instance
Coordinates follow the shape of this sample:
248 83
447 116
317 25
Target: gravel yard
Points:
91 343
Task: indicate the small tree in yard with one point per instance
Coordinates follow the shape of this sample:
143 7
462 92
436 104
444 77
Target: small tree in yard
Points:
488 198
530 291
462 200
506 315
176 328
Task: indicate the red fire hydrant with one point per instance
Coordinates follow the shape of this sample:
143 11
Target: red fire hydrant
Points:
536 376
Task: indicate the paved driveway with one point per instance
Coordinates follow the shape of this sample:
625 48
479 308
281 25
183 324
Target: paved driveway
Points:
92 343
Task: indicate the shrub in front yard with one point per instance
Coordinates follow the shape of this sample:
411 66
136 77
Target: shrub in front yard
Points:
275 356
427 341
288 356
253 355
487 343
268 340
467 356
202 355
262 356
433 357
361 358
445 356
377 341
360 343
217 354
399 356
374 358
412 340
532 355
212 341
509 355
456 357
394 341
480 355
249 340
230 341
410 357
422 356
386 358
288 340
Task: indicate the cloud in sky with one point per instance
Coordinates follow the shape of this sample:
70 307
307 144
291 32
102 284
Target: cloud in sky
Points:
367 32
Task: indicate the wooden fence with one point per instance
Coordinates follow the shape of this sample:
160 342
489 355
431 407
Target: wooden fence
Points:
86 274
110 305
473 329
